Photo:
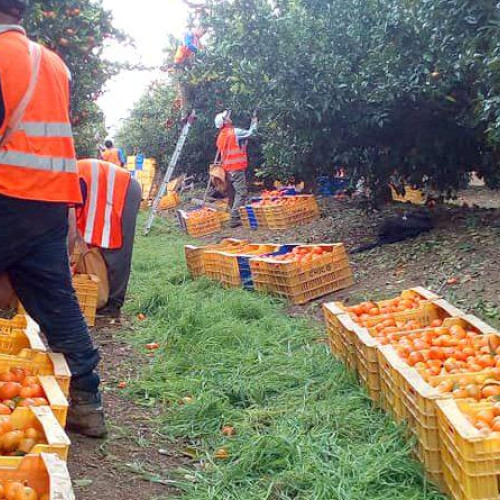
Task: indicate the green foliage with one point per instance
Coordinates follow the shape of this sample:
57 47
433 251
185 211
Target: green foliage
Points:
77 30
379 86
303 427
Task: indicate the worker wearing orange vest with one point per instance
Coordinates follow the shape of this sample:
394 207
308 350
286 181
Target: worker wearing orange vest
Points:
38 182
112 154
107 220
232 147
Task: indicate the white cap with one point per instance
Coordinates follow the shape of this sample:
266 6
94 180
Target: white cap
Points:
219 119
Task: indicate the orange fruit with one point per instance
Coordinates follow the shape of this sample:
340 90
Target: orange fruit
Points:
10 390
485 416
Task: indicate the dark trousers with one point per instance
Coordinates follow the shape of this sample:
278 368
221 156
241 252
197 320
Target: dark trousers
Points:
33 251
119 262
238 192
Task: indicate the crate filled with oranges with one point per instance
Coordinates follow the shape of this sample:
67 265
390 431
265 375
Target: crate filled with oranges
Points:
232 266
195 255
170 201
280 212
200 222
36 477
302 273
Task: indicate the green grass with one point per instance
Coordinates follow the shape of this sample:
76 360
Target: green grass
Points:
305 430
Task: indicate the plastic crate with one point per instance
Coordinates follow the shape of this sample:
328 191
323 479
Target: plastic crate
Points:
337 325
366 345
391 369
39 363
412 195
471 461
170 201
301 283
303 210
252 217
209 224
14 340
234 265
20 321
45 473
86 288
56 398
43 420
195 255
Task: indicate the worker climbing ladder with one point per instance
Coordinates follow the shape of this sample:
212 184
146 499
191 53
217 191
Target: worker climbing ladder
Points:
170 171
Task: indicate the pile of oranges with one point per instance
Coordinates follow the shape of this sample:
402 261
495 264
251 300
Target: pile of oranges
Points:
200 214
447 351
301 255
382 315
486 420
481 386
14 490
19 388
17 442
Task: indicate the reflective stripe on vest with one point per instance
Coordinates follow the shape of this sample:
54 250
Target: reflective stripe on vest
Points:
106 232
93 193
41 129
35 162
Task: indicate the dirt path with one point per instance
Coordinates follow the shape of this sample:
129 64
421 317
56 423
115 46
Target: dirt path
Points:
128 464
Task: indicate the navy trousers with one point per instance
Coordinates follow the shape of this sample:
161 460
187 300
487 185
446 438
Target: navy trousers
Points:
33 252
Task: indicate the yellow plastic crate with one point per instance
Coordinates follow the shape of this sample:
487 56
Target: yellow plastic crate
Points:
45 473
209 224
20 321
234 267
412 195
170 201
301 283
301 209
43 420
39 363
14 340
195 255
471 461
86 288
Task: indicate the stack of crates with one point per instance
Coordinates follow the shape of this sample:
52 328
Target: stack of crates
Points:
459 458
42 467
301 282
144 174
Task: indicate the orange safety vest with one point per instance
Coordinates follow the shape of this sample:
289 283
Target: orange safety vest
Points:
99 220
37 153
112 155
233 157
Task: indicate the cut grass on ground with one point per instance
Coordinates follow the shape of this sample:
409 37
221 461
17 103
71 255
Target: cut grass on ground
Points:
304 429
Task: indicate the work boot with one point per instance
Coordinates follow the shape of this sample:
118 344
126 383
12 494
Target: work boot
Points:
109 311
86 414
235 223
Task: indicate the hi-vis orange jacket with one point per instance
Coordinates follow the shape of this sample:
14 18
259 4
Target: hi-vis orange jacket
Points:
112 155
99 220
37 157
233 157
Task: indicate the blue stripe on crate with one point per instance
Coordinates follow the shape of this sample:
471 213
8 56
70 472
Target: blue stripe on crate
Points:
252 219
245 272
282 251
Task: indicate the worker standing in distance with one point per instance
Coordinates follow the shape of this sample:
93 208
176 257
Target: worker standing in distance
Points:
106 220
232 146
38 182
113 155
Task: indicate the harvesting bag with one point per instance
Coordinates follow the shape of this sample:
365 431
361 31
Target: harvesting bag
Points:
218 177
91 261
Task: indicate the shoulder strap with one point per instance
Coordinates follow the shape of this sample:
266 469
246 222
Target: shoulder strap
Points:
17 115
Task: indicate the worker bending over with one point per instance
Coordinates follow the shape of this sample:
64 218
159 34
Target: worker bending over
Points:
113 155
107 220
232 146
38 182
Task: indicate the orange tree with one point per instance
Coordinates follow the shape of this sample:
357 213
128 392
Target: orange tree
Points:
382 87
77 30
